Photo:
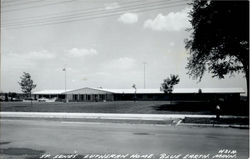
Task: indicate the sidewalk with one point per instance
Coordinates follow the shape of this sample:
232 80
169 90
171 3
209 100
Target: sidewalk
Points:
156 117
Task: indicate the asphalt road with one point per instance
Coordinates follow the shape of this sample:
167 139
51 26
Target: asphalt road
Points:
27 138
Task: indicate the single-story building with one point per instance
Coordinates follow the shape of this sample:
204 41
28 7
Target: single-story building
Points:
59 94
100 94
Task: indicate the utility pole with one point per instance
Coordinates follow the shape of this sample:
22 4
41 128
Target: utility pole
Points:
134 86
144 68
65 84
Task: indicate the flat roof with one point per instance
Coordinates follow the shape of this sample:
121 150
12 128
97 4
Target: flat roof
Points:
177 90
51 91
150 91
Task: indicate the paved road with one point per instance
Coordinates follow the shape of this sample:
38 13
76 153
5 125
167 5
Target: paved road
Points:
64 137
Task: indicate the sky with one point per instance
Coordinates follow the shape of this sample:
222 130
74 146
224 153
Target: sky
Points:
101 43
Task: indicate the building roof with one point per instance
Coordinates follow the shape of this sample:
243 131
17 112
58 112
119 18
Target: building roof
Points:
149 91
177 90
132 91
223 90
60 91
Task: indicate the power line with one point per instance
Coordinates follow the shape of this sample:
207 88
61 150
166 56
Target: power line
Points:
127 4
86 13
36 6
81 19
9 3
89 17
58 16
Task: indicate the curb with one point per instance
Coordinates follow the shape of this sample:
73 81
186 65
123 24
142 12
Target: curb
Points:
51 115
176 119
106 115
215 125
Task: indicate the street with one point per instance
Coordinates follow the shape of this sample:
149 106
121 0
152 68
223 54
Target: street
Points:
67 137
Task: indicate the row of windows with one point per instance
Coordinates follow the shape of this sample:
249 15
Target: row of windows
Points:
88 97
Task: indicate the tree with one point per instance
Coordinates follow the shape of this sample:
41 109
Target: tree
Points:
219 42
26 84
6 97
12 95
168 85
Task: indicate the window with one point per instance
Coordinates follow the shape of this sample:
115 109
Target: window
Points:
75 97
81 97
88 97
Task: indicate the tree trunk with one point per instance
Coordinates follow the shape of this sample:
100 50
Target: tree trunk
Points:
245 63
246 69
31 99
170 98
247 78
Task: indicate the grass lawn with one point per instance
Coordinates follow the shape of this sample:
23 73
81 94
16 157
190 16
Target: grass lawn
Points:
138 107
131 107
238 121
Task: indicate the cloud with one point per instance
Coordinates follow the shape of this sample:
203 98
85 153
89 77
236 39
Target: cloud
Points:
30 60
75 52
172 44
128 18
173 21
43 54
112 6
123 63
33 55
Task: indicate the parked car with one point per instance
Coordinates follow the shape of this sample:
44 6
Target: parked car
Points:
42 99
46 99
16 99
